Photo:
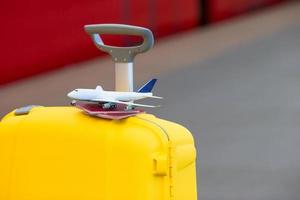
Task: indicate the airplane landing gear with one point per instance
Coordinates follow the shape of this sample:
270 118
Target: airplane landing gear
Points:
129 107
73 102
109 106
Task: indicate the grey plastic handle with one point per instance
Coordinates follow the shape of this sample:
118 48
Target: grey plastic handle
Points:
120 54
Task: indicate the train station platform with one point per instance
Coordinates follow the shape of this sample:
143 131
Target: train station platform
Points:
235 85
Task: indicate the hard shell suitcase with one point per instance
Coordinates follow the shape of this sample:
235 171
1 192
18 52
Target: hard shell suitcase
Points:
64 153
61 153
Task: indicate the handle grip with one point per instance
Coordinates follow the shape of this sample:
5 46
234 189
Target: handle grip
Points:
120 54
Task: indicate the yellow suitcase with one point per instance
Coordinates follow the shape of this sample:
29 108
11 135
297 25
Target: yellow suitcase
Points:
62 153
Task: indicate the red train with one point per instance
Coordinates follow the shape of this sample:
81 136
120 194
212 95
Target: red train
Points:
38 36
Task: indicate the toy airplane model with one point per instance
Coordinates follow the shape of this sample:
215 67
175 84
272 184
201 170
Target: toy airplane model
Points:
110 99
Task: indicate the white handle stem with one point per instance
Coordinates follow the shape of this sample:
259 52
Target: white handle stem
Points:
124 77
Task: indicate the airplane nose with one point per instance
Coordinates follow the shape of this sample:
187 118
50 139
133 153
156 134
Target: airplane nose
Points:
70 94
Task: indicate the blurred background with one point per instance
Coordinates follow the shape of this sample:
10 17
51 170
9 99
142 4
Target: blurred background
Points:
229 71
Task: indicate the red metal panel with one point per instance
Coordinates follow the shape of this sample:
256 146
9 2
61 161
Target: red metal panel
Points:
175 15
38 36
42 35
220 9
188 13
165 17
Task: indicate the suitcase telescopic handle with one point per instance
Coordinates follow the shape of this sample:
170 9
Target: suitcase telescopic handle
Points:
120 54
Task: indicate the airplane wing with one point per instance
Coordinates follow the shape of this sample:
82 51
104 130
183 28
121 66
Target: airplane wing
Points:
140 105
122 102
155 97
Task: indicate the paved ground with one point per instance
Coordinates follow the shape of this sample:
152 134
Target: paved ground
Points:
244 109
238 92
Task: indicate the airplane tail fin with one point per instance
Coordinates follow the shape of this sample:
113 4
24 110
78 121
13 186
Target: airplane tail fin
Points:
148 86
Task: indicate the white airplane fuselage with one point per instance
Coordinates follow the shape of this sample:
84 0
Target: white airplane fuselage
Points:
92 94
